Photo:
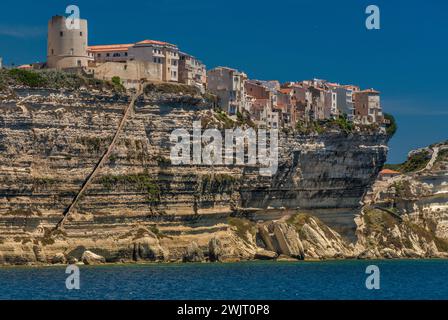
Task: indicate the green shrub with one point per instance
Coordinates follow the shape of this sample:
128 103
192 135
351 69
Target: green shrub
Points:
392 127
28 78
416 162
116 81
343 124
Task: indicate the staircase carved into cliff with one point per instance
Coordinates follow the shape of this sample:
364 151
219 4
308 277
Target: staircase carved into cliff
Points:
103 158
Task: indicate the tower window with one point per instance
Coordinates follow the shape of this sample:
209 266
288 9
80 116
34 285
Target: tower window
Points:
61 33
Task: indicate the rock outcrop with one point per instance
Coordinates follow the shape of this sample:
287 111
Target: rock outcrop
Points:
406 216
140 206
90 258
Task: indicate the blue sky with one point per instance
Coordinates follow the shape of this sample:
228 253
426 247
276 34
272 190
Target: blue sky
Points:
286 40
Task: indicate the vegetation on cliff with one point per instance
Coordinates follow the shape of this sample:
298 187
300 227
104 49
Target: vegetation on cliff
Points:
218 183
379 226
340 124
140 182
53 79
415 162
392 126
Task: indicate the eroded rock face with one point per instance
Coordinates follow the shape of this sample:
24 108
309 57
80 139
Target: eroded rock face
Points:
281 238
194 253
302 236
406 216
228 247
51 141
382 235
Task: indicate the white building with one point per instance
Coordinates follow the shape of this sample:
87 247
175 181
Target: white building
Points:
67 47
229 85
158 52
345 101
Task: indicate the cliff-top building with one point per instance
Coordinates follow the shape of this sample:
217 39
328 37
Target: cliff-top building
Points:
149 60
67 48
229 86
368 107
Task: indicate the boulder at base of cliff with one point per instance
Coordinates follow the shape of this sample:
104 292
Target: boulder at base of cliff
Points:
228 247
72 260
193 253
319 241
59 258
263 254
90 258
149 248
286 258
281 238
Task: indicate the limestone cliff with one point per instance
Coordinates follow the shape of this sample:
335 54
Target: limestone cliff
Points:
407 215
141 207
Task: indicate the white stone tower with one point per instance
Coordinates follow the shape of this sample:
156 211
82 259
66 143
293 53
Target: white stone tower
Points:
67 48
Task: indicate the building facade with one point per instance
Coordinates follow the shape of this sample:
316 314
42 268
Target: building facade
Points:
229 86
67 48
368 107
192 71
159 52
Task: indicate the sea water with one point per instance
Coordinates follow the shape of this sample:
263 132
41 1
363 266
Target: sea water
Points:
399 279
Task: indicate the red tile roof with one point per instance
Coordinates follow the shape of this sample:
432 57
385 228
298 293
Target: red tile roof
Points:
125 47
110 47
388 171
155 42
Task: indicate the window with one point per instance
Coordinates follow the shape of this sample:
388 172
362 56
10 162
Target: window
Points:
98 55
125 67
52 51
155 60
61 34
80 33
125 54
107 54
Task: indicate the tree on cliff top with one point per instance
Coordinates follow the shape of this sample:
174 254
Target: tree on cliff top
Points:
391 127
